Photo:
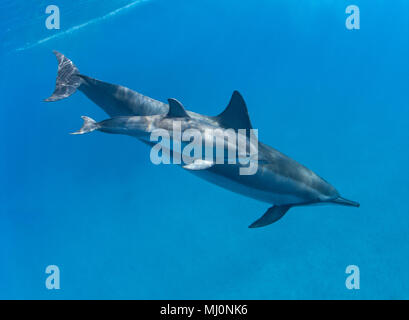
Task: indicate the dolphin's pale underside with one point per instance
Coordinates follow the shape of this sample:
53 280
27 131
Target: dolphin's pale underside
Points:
279 180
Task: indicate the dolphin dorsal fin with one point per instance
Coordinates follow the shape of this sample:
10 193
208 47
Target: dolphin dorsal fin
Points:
235 116
176 109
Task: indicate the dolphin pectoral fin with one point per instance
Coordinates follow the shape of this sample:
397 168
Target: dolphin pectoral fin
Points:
199 165
272 215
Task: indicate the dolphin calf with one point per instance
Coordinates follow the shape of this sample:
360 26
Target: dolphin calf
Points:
278 180
195 144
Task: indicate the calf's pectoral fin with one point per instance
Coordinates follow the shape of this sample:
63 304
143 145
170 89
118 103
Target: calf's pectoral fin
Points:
199 164
272 215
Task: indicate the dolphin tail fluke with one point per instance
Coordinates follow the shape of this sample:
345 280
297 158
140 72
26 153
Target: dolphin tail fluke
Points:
272 215
89 125
345 202
68 79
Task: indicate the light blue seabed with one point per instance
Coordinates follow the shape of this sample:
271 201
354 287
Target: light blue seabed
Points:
118 226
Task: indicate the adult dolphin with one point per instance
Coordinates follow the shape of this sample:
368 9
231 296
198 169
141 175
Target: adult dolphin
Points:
279 180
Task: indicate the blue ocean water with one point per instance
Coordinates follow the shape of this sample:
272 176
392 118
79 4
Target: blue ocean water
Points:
119 227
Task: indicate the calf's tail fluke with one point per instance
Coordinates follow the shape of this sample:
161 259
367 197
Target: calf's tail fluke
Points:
345 202
89 125
68 79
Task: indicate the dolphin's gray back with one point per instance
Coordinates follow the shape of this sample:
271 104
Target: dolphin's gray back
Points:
117 100
114 99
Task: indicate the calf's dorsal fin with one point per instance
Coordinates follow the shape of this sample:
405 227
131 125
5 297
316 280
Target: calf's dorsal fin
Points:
176 109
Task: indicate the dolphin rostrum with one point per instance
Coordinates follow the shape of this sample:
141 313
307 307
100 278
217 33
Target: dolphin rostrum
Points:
278 180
